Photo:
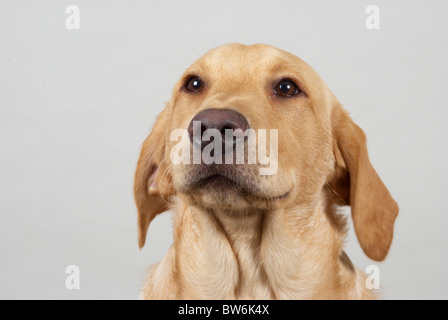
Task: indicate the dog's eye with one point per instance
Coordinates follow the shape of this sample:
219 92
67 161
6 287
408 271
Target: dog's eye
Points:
286 88
194 84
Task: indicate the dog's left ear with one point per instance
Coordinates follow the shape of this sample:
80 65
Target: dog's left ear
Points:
357 183
153 183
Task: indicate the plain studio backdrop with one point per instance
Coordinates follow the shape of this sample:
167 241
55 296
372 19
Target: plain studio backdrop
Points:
76 105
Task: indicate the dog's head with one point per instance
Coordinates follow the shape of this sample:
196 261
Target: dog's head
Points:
254 127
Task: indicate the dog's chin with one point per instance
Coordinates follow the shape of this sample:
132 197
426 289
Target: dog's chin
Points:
219 192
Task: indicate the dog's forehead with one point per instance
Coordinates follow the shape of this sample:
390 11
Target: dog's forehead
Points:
241 60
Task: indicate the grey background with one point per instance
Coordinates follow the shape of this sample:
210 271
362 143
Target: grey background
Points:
75 107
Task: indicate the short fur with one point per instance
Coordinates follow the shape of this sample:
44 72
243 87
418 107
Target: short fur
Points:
260 244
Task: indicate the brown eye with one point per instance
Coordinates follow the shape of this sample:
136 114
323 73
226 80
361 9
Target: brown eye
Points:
286 88
194 84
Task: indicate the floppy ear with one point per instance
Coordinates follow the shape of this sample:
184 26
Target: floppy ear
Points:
152 185
357 183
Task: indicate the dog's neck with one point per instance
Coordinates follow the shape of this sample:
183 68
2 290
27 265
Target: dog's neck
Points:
244 233
284 253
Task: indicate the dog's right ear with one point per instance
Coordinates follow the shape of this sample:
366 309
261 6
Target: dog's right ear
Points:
153 182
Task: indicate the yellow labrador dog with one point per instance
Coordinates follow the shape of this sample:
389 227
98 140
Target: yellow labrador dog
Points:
239 232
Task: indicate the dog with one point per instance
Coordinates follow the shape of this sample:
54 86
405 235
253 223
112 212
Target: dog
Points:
239 234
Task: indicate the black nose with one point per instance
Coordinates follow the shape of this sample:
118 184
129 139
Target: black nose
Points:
218 119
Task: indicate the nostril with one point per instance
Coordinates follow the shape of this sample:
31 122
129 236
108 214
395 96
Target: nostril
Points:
203 128
227 127
197 127
218 119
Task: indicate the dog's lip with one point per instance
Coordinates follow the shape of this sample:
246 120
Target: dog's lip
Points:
232 180
283 196
274 198
215 176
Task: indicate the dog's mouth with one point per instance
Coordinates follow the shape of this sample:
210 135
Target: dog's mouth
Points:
220 177
228 180
217 181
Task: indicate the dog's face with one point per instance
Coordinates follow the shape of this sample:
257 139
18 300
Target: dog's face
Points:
310 143
258 88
